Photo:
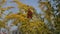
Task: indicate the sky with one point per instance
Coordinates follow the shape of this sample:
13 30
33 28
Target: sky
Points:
33 3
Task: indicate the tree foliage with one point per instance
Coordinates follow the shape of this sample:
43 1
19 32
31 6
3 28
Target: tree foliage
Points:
26 25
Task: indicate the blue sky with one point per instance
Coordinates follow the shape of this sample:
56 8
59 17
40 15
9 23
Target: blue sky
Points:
33 3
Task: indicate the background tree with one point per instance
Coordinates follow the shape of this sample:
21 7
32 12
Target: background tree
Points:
52 12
